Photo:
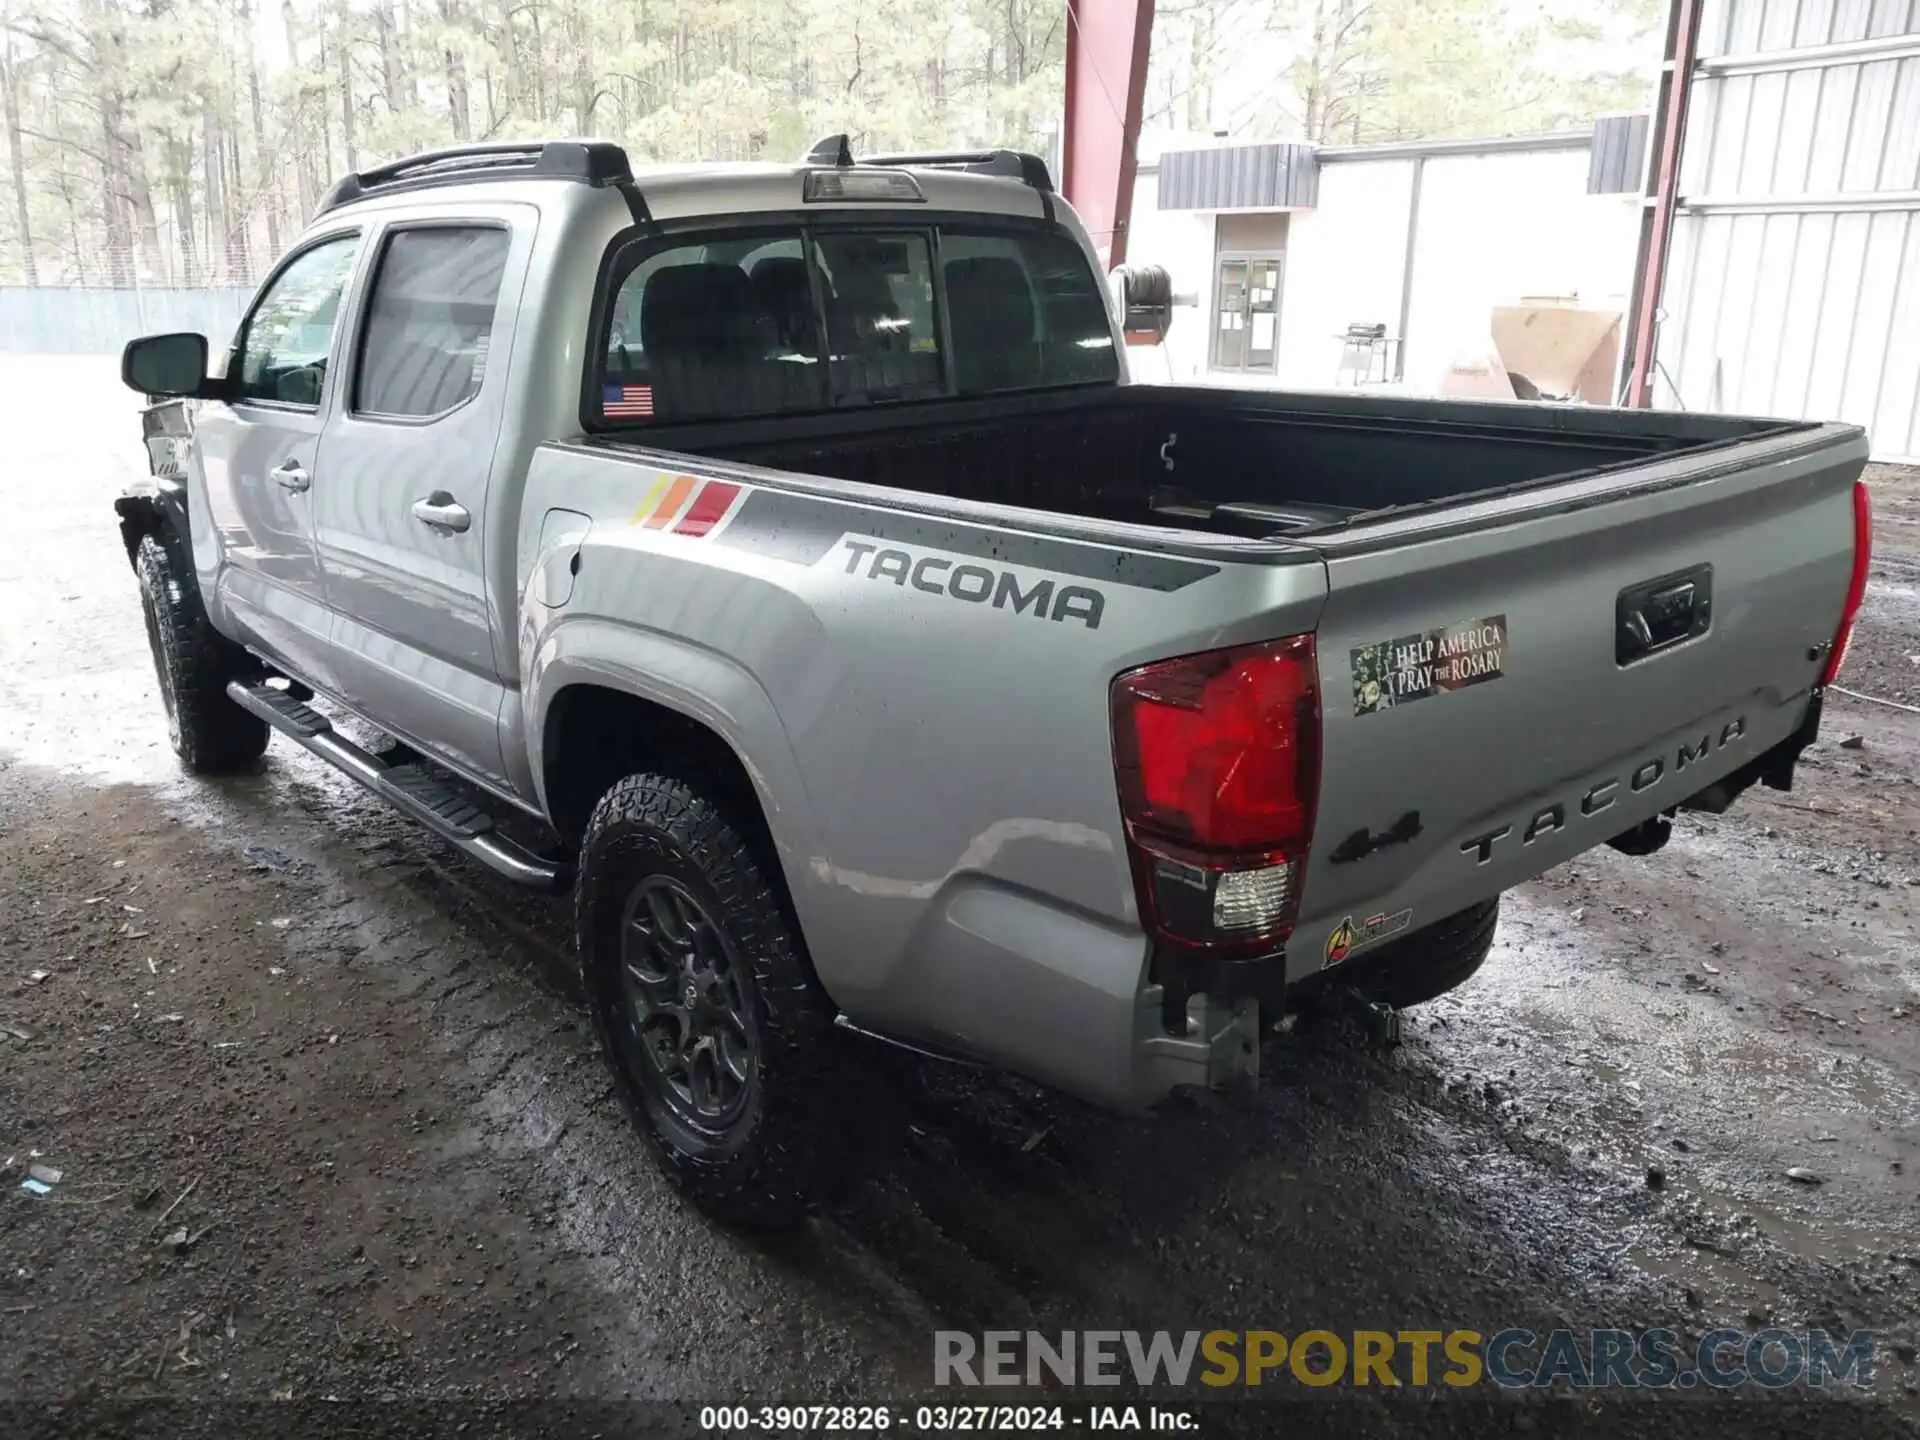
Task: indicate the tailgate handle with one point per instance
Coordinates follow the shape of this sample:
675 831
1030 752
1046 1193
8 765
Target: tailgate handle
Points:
1658 614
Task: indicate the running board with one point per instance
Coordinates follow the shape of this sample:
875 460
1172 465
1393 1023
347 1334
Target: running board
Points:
412 790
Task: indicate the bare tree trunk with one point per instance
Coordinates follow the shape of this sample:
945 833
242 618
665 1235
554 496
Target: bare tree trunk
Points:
459 103
385 35
409 69
126 164
509 64
269 172
583 85
346 90
113 199
72 207
180 188
141 190
213 165
539 65
309 168
10 86
123 144
1314 96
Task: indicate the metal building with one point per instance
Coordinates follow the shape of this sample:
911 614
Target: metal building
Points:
1792 281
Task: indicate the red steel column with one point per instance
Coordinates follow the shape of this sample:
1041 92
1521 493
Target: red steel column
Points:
1107 42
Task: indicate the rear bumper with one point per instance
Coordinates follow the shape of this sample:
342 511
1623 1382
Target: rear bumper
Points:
1011 978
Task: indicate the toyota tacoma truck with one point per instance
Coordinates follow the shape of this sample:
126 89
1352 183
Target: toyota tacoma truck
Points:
779 557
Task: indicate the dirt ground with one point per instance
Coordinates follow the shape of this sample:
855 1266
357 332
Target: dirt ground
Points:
331 1131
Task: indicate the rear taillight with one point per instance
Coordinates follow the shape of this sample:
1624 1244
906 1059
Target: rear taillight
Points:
1857 586
1218 761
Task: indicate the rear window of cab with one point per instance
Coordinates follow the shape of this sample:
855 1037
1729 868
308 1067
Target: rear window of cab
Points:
791 319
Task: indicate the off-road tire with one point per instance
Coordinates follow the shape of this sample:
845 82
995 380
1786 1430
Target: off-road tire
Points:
786 1151
193 663
1427 964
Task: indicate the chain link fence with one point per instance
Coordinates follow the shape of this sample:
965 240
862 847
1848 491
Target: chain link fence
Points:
97 320
66 301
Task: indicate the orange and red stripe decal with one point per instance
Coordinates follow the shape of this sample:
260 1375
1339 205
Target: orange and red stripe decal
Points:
707 508
676 496
665 499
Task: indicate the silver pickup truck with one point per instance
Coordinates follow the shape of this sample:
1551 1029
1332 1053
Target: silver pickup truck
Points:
779 556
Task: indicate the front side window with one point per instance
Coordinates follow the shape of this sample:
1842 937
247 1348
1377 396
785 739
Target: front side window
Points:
429 320
736 325
283 354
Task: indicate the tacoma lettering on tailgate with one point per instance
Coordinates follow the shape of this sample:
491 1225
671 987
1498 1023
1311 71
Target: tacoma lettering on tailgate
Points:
1654 770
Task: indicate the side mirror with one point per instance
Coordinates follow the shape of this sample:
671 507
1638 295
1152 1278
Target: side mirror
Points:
171 365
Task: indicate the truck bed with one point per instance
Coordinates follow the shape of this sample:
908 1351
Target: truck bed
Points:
1235 462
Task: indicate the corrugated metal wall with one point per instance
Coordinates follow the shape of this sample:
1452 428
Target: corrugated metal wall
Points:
1617 159
1793 286
1239 177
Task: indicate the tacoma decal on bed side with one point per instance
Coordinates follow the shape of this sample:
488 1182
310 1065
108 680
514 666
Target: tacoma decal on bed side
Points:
976 584
804 530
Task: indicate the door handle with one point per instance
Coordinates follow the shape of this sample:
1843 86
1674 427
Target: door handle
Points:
441 511
292 475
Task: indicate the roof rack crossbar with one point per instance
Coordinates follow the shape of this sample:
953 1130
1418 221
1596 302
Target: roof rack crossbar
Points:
1015 164
591 162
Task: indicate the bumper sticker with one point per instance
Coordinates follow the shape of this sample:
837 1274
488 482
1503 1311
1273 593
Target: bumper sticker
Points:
1350 936
1413 667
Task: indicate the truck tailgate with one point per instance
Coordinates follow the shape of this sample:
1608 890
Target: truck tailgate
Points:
1508 682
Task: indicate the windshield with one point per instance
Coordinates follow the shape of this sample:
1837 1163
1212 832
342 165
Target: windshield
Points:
790 319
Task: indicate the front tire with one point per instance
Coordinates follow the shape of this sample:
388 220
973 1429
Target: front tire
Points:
720 1040
193 663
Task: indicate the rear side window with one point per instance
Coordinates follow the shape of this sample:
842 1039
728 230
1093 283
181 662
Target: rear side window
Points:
430 320
772 322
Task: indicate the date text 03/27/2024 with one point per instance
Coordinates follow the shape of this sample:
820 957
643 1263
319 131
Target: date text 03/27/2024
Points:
942 1419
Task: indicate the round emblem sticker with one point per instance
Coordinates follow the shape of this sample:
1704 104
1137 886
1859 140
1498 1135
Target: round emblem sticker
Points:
1340 941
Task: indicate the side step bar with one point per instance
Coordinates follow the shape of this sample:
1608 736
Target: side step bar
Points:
412 790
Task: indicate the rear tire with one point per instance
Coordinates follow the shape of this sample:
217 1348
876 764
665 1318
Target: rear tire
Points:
194 662
721 1042
1426 965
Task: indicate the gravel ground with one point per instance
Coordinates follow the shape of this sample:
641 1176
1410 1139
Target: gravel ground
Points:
332 1132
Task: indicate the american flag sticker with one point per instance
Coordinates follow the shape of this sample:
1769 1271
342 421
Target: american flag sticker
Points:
626 402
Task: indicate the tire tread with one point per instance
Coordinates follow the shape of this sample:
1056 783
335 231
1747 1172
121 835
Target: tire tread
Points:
792 1158
215 735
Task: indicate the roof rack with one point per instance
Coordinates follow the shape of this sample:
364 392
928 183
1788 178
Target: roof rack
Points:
590 162
1014 164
